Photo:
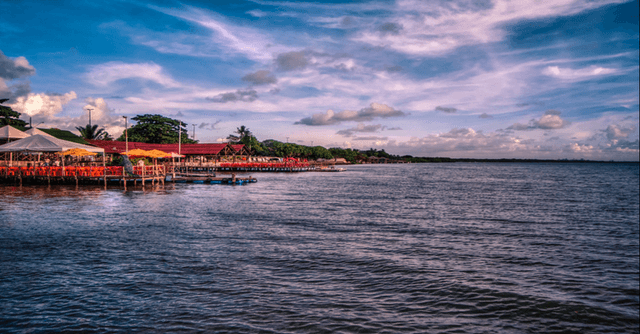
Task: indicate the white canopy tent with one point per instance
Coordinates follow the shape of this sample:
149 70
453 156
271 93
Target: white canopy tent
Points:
8 132
35 131
42 143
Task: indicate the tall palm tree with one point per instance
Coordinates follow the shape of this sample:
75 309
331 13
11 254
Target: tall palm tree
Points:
92 132
242 132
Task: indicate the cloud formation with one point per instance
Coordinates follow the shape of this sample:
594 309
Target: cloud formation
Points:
549 121
102 115
105 74
390 28
361 128
437 28
11 69
485 116
224 38
617 132
246 95
262 77
577 74
295 60
15 68
375 110
42 104
209 126
464 142
445 109
370 138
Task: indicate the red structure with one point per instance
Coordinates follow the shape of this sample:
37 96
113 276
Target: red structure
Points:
118 147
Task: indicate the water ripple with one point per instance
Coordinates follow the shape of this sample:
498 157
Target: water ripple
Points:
445 248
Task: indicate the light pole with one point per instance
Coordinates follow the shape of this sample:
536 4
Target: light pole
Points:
90 110
194 131
179 135
126 135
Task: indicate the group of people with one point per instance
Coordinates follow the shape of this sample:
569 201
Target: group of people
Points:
55 163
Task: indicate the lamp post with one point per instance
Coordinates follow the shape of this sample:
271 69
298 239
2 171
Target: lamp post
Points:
126 135
90 110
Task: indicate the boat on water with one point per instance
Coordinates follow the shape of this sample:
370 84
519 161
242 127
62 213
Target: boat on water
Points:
330 169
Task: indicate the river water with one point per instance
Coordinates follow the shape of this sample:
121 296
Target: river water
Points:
436 248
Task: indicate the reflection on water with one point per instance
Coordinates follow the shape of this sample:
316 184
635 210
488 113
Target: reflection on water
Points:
411 248
7 192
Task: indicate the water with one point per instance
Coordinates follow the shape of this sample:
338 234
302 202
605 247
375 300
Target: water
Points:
447 248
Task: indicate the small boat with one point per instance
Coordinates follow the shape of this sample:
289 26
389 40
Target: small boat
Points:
330 169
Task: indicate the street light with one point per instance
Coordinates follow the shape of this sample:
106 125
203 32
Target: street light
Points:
126 135
90 110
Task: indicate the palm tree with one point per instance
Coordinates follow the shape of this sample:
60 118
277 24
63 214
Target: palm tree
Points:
92 132
242 132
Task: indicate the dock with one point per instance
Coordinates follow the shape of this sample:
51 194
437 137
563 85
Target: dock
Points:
212 180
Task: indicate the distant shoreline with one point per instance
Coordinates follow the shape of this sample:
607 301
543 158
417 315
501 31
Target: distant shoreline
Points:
449 160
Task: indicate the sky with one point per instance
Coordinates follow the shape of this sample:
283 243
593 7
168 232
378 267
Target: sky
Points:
461 79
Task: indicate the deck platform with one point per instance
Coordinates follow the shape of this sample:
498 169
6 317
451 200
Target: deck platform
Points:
212 179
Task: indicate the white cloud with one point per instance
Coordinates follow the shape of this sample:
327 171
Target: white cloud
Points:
101 115
577 74
464 142
108 73
375 110
225 37
469 143
579 148
615 131
42 104
15 68
361 128
549 121
431 29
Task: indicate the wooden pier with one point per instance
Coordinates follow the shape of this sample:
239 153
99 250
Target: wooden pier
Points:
97 175
212 179
81 175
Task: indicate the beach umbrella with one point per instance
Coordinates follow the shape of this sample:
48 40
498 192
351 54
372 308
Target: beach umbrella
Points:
158 154
137 152
78 152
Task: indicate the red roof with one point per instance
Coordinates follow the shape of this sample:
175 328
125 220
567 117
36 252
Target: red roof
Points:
118 147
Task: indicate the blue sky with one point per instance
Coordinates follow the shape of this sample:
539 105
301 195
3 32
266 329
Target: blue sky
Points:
494 79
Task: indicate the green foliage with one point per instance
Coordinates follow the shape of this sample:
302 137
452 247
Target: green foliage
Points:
117 161
10 117
242 132
65 135
319 152
134 161
372 152
254 146
157 129
279 149
92 132
348 154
